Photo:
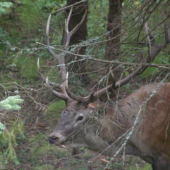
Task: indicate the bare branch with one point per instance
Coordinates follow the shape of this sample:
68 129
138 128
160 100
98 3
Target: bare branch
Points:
70 6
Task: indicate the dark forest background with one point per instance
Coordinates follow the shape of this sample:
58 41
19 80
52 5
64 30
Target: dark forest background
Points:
113 37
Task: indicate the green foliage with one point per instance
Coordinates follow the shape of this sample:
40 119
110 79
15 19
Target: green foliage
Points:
44 167
8 141
8 136
39 141
146 167
94 19
4 6
162 58
56 107
22 25
30 13
2 127
11 103
96 26
2 34
10 153
28 66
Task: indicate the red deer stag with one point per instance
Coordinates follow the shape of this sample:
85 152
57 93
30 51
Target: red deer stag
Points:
138 125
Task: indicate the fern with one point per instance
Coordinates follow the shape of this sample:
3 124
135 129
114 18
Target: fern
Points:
11 103
7 138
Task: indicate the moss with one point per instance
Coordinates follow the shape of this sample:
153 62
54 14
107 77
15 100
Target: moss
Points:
39 151
2 160
41 146
7 83
56 107
28 66
146 167
44 167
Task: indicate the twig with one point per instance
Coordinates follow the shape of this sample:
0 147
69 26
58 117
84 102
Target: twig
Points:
67 7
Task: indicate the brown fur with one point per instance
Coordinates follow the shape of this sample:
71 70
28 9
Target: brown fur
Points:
151 136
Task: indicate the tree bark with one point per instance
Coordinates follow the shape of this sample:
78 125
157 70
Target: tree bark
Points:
78 67
113 40
114 29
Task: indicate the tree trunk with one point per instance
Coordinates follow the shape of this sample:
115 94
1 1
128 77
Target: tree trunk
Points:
113 39
114 29
78 67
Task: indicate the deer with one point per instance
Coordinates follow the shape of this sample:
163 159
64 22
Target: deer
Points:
137 125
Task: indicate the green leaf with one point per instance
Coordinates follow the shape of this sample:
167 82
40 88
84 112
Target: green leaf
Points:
11 103
2 127
6 4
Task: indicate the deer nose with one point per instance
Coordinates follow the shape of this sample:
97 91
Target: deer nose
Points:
53 139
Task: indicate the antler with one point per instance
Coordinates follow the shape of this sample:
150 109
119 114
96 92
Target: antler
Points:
61 61
153 51
65 94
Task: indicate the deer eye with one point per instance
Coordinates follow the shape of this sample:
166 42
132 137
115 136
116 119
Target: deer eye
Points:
80 118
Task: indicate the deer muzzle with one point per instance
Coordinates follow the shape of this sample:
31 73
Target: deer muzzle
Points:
56 139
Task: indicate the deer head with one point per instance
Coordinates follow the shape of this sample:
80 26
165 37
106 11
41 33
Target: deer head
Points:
73 120
81 114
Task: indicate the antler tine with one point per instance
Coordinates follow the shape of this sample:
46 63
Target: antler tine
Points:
85 100
60 59
68 20
73 96
98 93
49 84
47 39
150 58
94 95
69 34
44 78
78 25
154 49
150 38
58 94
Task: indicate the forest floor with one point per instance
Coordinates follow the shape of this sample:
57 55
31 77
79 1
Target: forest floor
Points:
35 153
33 150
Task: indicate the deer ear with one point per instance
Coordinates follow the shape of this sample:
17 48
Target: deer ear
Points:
92 105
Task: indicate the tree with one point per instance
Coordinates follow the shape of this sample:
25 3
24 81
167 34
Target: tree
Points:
113 37
81 34
8 137
114 29
22 43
